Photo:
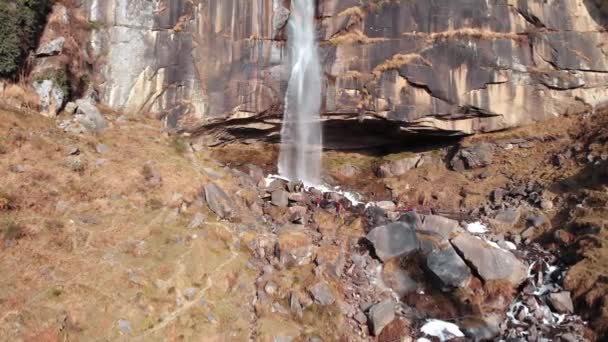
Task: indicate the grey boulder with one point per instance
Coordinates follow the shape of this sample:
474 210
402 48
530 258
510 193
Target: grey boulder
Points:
381 315
393 240
449 268
490 262
322 294
218 201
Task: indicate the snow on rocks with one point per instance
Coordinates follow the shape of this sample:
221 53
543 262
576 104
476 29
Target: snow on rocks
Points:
444 331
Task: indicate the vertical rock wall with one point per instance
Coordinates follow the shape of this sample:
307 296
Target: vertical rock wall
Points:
440 66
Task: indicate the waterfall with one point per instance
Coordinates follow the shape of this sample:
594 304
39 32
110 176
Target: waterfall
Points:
301 138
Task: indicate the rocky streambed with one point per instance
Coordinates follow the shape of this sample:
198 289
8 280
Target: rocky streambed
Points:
413 273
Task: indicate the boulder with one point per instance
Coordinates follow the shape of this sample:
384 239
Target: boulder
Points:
398 167
506 219
476 156
491 263
295 248
280 198
393 240
218 201
381 315
448 267
322 293
386 205
52 48
561 302
51 97
298 214
89 116
443 226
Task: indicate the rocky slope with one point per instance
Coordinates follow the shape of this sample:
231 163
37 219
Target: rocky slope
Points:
441 67
128 233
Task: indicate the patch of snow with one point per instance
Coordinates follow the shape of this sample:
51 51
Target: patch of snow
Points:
511 245
423 339
477 228
493 244
444 331
351 196
270 178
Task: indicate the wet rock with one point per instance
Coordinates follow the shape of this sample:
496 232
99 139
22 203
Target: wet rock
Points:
393 240
381 315
398 167
295 248
449 268
52 48
218 201
280 198
295 186
561 302
322 294
197 221
51 97
491 263
476 156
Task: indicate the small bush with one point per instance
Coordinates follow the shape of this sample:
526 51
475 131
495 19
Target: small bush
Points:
8 201
22 22
179 144
12 231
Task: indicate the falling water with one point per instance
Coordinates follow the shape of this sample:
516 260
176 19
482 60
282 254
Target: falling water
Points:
301 141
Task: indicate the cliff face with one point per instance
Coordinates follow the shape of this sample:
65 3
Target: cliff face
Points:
442 66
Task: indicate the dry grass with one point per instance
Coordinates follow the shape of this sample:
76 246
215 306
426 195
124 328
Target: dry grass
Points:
355 36
469 33
400 60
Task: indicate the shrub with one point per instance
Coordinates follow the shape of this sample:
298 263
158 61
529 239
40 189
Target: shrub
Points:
22 22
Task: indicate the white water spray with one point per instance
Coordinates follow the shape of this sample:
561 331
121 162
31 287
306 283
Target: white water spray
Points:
301 138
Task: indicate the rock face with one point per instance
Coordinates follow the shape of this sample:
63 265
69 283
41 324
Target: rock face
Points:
51 97
443 67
